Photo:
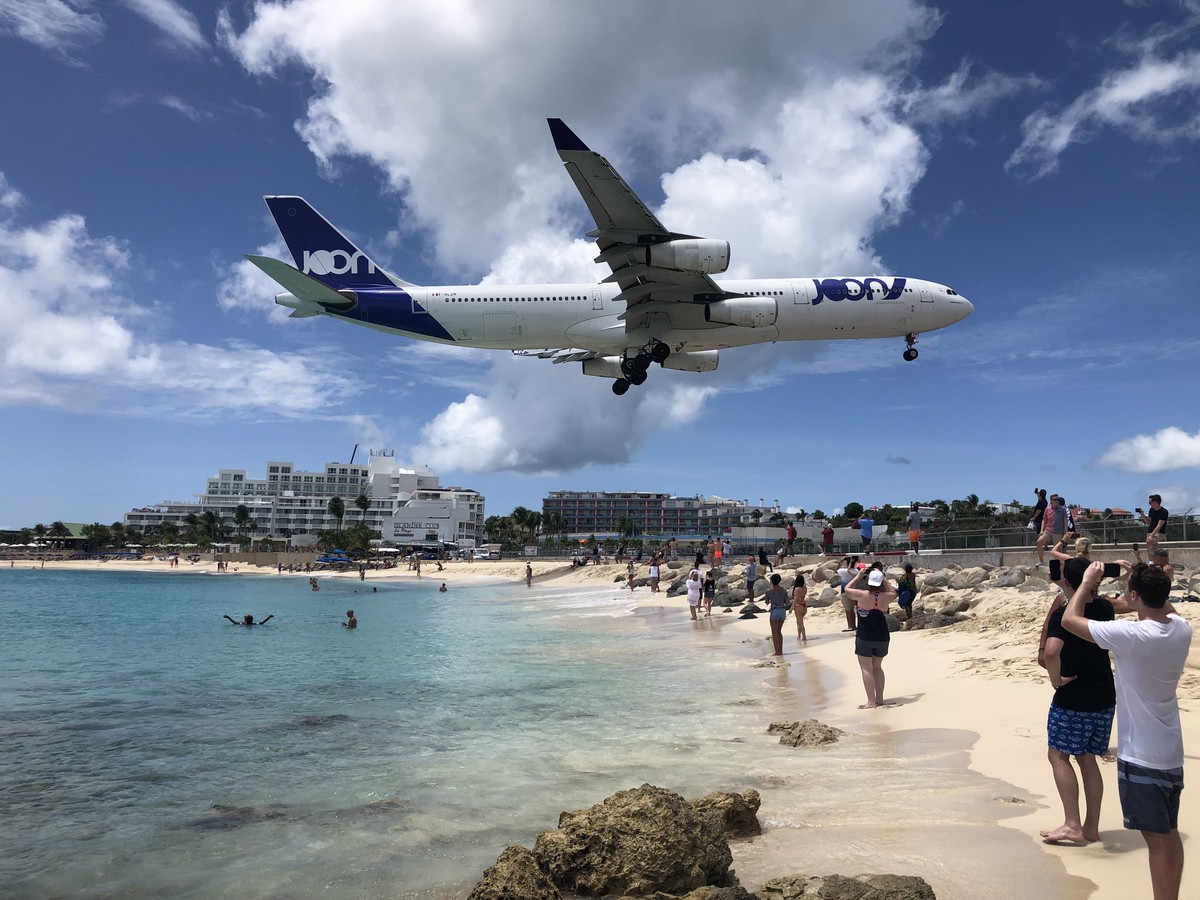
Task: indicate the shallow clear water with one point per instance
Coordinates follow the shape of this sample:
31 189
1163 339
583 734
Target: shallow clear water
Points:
149 748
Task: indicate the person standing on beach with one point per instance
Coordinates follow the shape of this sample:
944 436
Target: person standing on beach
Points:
791 538
673 549
871 639
710 592
845 572
695 587
528 575
1150 655
906 592
779 603
727 550
654 573
751 577
630 572
800 606
1081 714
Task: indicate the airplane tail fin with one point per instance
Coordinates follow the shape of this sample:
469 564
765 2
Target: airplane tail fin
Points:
321 251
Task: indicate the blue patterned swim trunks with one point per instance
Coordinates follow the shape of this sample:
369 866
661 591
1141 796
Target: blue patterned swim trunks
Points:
1076 733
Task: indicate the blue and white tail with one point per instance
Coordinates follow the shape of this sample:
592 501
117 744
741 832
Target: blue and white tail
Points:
322 252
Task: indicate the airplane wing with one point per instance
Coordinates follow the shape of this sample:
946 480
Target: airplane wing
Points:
643 255
566 354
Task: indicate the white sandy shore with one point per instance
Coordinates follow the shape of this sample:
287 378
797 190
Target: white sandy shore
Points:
980 677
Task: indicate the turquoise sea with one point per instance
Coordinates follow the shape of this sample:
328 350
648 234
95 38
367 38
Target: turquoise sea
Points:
148 748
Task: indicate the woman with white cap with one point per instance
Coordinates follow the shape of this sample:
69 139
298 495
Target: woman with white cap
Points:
871 638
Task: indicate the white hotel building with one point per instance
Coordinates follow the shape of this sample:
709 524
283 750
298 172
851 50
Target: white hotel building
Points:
408 504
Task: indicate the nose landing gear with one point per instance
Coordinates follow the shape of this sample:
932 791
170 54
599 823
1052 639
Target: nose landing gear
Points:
911 353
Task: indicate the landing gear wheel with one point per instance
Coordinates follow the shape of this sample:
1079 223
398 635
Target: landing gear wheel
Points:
910 354
620 386
660 352
637 378
628 366
641 362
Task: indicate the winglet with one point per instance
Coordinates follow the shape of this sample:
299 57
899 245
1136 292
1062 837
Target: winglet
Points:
564 137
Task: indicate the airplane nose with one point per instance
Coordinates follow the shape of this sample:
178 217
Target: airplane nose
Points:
962 307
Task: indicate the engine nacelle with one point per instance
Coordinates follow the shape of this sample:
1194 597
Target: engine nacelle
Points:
701 255
692 361
748 312
604 367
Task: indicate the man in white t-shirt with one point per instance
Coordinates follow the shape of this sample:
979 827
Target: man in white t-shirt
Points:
1150 654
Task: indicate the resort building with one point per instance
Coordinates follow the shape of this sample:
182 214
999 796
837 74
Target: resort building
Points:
602 512
407 503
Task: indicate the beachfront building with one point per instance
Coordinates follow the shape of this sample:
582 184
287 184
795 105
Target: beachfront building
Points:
407 503
604 512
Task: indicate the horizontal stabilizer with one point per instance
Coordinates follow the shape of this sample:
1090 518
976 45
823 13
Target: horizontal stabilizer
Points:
299 285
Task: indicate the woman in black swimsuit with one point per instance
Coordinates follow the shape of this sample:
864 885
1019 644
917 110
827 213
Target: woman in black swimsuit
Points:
871 637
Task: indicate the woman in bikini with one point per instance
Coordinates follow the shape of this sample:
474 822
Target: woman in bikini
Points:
800 606
871 639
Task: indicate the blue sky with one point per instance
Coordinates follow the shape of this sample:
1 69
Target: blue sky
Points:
1040 158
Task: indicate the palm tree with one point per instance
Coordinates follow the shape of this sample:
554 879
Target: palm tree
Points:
213 525
242 518
39 531
192 521
363 502
337 509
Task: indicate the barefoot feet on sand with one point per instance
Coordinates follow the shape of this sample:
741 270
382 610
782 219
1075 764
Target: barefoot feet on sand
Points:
1064 834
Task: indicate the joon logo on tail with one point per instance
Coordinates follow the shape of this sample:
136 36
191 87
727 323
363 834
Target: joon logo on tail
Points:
336 262
836 289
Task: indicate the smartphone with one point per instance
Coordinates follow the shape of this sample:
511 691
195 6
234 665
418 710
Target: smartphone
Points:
1055 570
1112 570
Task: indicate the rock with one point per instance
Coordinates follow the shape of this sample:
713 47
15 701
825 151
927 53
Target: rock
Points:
733 815
951 609
827 597
737 892
515 876
809 733
675 564
939 579
927 588
635 842
968 578
1012 578
842 887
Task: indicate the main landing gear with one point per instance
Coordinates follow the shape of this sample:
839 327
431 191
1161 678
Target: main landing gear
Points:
911 353
634 368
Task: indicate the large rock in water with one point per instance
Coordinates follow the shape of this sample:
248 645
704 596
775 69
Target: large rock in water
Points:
732 815
636 842
515 876
842 887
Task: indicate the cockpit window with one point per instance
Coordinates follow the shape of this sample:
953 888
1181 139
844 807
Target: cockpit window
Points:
952 292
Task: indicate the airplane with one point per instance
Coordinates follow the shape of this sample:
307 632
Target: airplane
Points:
660 303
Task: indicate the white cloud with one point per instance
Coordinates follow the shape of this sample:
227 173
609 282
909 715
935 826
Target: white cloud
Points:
1154 101
54 25
1170 448
797 157
70 338
176 23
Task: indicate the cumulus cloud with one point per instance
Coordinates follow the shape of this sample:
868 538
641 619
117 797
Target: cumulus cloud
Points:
70 338
798 158
56 26
1170 448
1154 101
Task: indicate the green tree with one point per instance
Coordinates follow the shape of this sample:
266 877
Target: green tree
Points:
117 534
98 535
363 502
337 508
168 533
242 519
39 531
194 529
212 526
853 510
818 514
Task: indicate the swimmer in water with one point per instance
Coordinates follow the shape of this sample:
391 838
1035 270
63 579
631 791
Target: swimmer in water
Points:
248 620
353 622
442 589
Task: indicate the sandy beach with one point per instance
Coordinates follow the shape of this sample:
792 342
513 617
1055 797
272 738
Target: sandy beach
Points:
979 677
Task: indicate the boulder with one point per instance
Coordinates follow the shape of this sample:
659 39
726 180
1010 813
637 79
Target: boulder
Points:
635 842
1012 578
737 892
809 733
675 564
968 578
515 876
938 579
733 815
951 609
843 887
827 597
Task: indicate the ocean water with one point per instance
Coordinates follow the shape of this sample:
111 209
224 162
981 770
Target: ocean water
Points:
149 748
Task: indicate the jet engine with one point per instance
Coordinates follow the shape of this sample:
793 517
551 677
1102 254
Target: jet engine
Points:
749 312
692 361
708 257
